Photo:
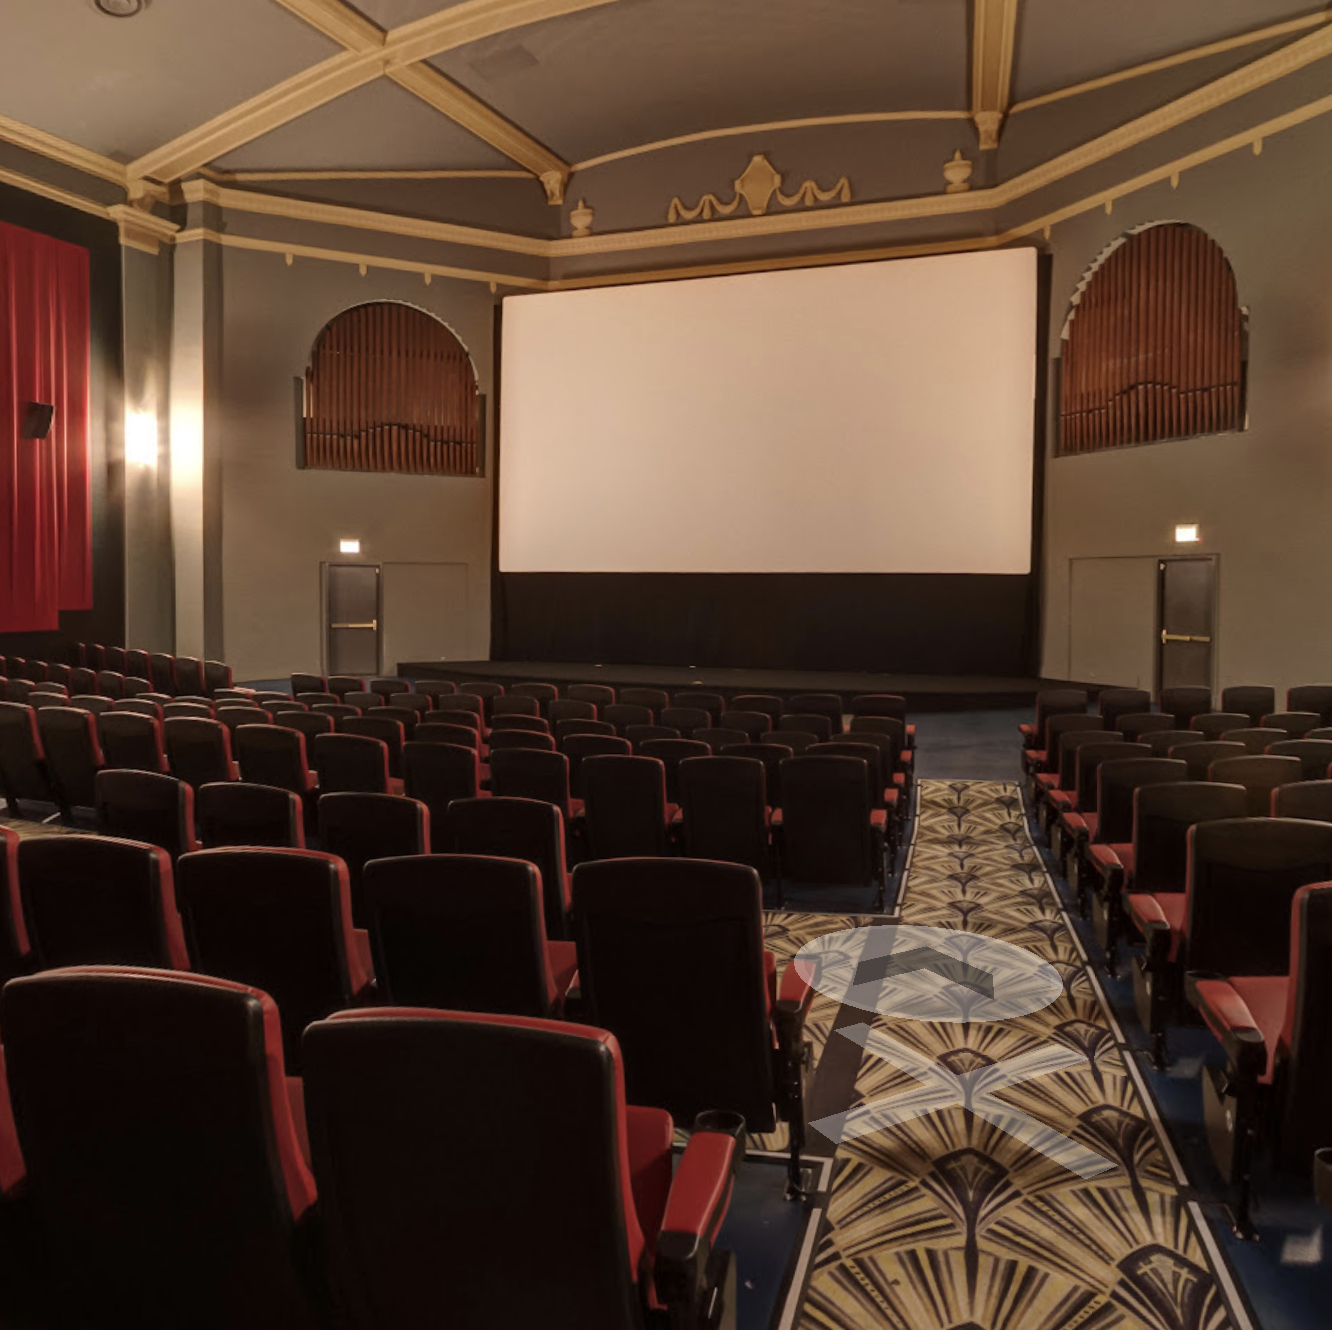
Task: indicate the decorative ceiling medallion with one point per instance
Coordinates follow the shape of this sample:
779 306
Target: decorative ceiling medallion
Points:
119 8
759 184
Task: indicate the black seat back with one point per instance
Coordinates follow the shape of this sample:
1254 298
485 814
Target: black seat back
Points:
358 827
385 1122
526 773
1116 779
1306 1098
1311 697
1089 759
199 751
1243 873
1135 724
1259 774
353 762
1315 755
1162 816
624 805
73 755
511 828
1295 724
670 753
457 931
439 773
683 1051
1310 799
819 704
576 747
91 900
277 920
1253 701
234 812
725 817
154 1120
273 755
713 703
1186 702
826 820
569 708
1198 757
145 806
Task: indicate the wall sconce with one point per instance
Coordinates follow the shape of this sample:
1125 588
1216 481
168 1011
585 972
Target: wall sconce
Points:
141 439
349 547
1187 534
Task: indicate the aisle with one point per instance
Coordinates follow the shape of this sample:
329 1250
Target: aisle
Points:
945 1221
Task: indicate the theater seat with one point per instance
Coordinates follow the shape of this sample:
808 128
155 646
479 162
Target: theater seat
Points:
1233 916
625 807
358 827
281 920
719 1041
623 1244
464 933
155 1119
146 806
726 817
238 813
1275 1090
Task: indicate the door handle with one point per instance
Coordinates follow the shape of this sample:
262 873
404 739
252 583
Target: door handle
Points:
1183 637
373 624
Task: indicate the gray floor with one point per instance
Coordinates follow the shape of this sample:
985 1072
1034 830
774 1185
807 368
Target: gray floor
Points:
969 745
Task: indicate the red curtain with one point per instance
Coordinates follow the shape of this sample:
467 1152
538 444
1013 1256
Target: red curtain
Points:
45 505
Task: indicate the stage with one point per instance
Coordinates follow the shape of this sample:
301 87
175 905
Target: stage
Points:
923 692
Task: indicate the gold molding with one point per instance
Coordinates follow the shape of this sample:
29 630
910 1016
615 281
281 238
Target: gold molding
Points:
473 115
360 219
338 22
1169 171
259 115
343 73
362 261
993 31
52 192
265 177
61 150
758 184
1172 61
766 127
140 229
977 200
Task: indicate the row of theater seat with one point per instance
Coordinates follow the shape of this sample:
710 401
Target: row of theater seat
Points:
118 672
57 752
1217 857
458 932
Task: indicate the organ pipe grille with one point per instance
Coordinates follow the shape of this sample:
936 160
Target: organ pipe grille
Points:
1155 346
390 388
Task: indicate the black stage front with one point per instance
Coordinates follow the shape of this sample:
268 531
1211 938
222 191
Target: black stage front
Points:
923 692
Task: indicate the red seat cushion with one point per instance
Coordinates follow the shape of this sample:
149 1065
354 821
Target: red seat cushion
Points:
575 807
562 962
296 1098
1048 780
1107 856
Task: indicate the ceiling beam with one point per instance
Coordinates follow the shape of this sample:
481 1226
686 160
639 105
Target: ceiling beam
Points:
401 47
994 26
32 139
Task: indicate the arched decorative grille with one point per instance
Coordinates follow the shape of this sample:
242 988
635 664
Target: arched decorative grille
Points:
390 388
1154 347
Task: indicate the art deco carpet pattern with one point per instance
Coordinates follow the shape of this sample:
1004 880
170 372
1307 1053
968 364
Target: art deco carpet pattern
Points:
946 1222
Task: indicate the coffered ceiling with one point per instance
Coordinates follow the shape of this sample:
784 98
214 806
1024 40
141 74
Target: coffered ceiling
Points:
553 87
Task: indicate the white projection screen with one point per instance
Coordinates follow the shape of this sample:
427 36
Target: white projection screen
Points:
868 418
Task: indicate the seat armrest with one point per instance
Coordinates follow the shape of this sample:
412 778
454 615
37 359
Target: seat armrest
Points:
795 993
1074 824
700 1193
1229 1018
1322 1171
1107 863
1146 912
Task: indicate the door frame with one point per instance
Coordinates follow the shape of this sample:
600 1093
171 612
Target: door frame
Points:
1161 561
324 625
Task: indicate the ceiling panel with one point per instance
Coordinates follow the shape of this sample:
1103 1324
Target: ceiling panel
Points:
1062 42
394 13
641 70
377 127
124 86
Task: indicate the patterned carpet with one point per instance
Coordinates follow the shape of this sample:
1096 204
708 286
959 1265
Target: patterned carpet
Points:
946 1221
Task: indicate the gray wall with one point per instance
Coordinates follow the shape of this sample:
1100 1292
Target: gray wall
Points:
1261 496
279 523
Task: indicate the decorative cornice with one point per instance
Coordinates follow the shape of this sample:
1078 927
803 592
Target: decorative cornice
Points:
1022 232
274 177
61 150
360 219
362 261
140 229
52 192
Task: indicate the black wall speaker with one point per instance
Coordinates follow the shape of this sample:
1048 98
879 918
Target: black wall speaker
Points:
37 420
